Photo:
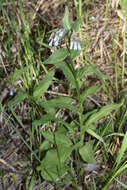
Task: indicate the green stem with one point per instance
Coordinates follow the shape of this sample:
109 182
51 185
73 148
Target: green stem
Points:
107 8
80 29
123 59
79 100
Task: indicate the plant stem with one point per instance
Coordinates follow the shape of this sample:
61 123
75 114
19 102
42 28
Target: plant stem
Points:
80 28
123 58
79 100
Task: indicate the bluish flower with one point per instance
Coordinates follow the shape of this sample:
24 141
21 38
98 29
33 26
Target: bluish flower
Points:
56 41
61 32
51 40
11 93
55 38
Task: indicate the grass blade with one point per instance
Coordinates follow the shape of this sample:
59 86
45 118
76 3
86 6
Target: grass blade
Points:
122 151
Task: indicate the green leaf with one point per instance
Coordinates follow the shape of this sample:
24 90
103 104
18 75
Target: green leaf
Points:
61 129
44 119
88 92
87 152
43 85
16 74
17 99
87 71
58 60
64 152
66 20
57 138
88 114
74 54
48 136
75 25
51 158
103 112
95 135
60 102
49 110
122 151
69 126
62 139
50 169
93 70
67 72
45 145
57 57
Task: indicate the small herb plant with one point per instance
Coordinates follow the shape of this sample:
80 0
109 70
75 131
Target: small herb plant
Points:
67 130
63 134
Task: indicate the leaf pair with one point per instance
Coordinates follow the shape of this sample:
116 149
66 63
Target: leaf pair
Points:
67 24
54 163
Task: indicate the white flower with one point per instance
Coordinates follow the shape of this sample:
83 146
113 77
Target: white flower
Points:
75 45
51 42
71 45
79 46
11 93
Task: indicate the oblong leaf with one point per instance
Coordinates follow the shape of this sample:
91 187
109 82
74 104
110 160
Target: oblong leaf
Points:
89 91
45 145
66 19
60 102
95 135
50 169
57 138
57 57
87 152
67 72
43 85
103 112
44 119
64 152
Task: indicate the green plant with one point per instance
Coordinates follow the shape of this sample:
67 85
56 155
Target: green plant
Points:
64 133
62 143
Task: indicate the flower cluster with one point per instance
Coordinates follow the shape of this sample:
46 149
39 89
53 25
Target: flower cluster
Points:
55 40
